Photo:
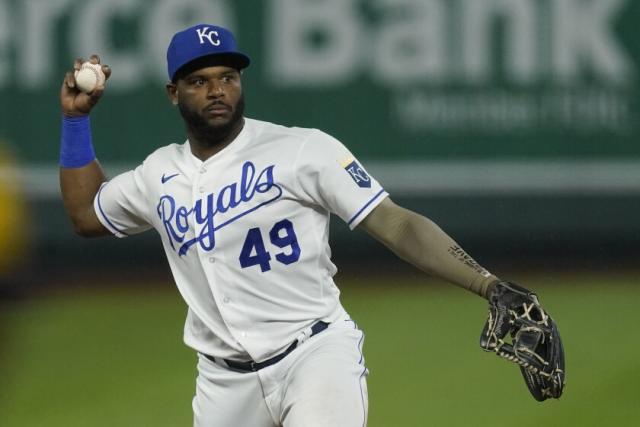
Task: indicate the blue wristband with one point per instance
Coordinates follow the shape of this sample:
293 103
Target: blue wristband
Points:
76 148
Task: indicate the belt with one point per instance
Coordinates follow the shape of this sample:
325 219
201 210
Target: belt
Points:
252 366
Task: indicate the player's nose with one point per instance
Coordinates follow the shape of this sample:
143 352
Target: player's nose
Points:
215 89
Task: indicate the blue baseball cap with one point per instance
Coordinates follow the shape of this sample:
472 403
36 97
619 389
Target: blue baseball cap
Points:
208 45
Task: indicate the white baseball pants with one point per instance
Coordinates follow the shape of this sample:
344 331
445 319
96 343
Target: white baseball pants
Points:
322 383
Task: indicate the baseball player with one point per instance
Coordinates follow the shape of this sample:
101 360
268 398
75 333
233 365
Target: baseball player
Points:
242 208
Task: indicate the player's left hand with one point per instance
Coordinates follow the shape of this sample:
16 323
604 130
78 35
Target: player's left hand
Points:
535 341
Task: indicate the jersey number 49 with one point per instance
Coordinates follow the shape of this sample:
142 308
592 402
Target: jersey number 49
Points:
281 235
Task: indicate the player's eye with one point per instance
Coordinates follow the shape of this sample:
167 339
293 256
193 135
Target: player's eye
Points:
227 79
197 81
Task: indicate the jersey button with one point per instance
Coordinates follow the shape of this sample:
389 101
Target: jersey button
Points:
212 260
225 300
203 170
201 190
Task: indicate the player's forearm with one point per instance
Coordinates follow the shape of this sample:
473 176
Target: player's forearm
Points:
79 187
423 243
419 241
80 174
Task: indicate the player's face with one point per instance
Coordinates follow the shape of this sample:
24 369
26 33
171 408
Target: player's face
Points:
210 101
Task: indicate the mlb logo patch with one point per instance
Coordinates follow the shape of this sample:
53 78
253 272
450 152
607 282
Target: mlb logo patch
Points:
358 174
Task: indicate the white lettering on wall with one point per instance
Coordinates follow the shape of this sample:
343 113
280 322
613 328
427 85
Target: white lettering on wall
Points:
413 48
329 43
582 37
520 39
294 59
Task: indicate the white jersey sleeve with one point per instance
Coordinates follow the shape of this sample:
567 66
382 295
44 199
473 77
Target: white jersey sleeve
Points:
121 204
330 176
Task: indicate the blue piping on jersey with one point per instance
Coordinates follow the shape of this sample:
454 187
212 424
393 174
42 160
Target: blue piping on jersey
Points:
365 206
105 216
364 370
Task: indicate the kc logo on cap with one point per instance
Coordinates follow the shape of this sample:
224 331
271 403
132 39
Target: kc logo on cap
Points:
204 41
202 33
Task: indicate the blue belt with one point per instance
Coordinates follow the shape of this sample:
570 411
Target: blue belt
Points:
252 366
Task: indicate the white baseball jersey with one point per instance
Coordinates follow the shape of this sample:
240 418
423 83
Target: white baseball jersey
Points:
246 231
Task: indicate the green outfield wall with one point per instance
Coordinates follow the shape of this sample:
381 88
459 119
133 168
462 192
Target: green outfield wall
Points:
393 79
524 110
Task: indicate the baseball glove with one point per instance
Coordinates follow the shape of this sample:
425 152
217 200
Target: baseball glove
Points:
515 315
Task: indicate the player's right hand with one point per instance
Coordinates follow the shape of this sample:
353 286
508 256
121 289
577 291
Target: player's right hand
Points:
73 101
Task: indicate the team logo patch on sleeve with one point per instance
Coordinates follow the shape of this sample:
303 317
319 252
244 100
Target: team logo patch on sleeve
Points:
358 174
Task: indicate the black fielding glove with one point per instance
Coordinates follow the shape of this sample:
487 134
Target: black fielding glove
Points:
515 313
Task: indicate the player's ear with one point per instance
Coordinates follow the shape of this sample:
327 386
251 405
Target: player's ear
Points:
172 92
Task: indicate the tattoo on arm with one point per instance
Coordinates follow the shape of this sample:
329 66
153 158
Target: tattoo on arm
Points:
459 253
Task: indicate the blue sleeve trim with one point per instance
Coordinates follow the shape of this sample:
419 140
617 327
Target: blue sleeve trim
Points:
105 216
380 193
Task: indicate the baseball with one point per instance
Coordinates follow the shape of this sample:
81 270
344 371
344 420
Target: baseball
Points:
89 76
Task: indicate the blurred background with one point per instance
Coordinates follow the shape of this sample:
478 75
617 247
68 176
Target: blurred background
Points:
514 124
